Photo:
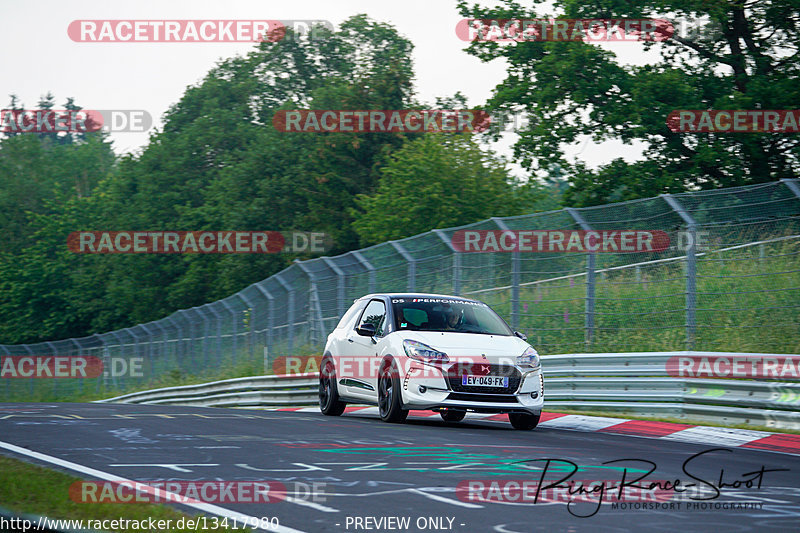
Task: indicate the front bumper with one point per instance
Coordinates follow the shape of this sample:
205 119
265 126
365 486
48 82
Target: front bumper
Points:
425 387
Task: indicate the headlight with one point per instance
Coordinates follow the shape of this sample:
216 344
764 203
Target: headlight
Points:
423 352
529 357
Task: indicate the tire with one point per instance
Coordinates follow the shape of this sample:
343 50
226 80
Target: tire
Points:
329 402
389 402
453 415
525 421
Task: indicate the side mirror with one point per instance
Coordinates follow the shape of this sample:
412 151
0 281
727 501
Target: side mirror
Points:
366 330
521 335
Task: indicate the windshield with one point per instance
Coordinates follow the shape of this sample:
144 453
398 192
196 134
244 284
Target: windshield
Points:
447 314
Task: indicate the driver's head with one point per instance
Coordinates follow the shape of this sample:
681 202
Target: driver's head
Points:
451 315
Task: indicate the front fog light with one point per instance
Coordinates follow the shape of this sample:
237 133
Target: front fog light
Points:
422 389
534 395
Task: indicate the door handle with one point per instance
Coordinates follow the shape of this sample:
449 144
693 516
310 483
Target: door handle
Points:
350 340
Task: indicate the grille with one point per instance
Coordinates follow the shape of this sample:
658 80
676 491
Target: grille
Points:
456 371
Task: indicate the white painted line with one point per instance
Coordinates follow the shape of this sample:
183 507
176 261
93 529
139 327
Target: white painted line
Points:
582 423
160 493
313 505
442 499
718 436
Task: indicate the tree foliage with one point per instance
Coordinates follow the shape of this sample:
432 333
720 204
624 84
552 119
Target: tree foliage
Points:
217 164
745 56
436 181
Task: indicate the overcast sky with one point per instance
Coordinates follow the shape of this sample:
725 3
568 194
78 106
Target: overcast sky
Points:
38 55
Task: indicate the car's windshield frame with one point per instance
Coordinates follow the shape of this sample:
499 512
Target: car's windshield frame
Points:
472 316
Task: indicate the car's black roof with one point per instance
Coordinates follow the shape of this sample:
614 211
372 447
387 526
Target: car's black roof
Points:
417 295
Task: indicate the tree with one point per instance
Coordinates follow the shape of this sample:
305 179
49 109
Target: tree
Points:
571 89
438 180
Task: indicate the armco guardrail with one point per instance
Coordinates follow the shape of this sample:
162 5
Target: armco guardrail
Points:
638 384
631 383
258 391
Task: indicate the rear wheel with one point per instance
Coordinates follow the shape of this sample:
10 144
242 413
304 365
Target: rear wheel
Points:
389 402
453 415
329 402
523 420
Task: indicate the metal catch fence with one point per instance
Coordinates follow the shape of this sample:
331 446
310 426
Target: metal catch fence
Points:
729 281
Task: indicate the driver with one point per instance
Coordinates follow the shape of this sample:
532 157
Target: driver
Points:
452 317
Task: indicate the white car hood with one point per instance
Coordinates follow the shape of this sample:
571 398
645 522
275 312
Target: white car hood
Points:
470 345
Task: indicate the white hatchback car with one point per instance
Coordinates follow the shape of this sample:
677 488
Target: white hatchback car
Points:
430 352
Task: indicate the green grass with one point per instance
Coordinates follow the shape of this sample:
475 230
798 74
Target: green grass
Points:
31 489
71 390
744 304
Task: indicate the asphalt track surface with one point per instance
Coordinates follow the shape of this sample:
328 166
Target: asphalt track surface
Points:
369 470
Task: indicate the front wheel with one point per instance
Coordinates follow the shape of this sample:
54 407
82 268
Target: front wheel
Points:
389 402
523 420
329 402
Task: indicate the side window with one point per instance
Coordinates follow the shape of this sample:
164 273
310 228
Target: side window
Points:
350 315
375 314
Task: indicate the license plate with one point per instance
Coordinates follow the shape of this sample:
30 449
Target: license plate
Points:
484 381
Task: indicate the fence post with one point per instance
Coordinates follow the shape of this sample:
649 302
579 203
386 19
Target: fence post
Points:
290 320
316 324
76 343
371 269
55 352
456 261
8 381
204 317
412 265
219 330
340 285
590 280
149 348
270 323
122 352
250 321
136 351
515 277
691 270
234 336
189 351
178 340
793 186
164 346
